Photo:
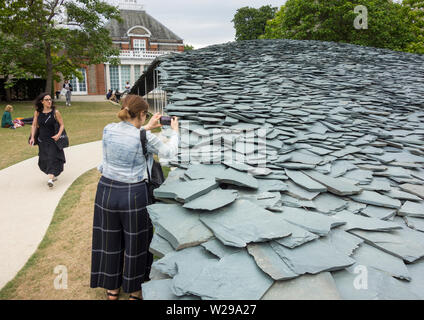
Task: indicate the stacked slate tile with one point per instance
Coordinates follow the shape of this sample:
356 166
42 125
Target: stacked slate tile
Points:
300 174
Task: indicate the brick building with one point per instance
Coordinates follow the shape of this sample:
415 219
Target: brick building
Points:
140 38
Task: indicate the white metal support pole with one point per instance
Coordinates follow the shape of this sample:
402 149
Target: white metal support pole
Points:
156 91
145 90
153 91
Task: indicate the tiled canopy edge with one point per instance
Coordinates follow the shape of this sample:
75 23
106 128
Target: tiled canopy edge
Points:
299 161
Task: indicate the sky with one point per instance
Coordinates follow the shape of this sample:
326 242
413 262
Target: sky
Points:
201 23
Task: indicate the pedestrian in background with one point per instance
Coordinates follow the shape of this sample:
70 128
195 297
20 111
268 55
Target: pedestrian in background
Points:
50 157
68 87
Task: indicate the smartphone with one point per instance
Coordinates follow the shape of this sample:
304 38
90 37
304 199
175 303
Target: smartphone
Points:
165 120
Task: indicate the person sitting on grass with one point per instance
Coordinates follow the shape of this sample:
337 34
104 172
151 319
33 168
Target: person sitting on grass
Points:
109 94
118 95
6 120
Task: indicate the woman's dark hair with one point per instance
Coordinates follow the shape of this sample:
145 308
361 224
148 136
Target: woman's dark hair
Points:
39 105
132 106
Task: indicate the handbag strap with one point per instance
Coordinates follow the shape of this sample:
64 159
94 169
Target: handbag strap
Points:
143 140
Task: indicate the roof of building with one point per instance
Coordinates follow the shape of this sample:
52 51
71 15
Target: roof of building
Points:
132 18
300 170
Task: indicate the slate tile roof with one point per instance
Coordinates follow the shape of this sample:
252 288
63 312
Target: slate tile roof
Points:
300 163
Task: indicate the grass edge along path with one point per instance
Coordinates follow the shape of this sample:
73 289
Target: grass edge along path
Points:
30 281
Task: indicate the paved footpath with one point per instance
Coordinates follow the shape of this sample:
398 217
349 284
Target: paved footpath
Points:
28 205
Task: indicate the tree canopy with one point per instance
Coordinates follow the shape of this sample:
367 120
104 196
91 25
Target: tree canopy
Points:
60 35
391 25
416 19
250 22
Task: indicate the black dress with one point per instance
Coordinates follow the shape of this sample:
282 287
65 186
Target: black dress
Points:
51 158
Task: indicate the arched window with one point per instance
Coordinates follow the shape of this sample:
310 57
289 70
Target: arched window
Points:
139 31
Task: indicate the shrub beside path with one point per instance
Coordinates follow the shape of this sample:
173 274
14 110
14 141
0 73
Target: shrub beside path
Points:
28 205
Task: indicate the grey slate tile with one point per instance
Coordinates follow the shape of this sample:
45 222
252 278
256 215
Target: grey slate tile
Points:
343 241
298 237
234 277
304 157
187 272
317 223
161 290
405 244
289 201
329 204
234 177
299 193
340 167
313 257
412 209
296 165
379 285
370 256
269 261
159 246
416 285
265 200
185 191
356 221
334 185
212 200
376 199
168 264
217 248
363 176
247 223
378 212
353 206
204 171
271 185
415 223
180 235
377 185
304 181
319 286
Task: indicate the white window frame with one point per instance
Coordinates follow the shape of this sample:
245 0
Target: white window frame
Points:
141 47
121 84
75 89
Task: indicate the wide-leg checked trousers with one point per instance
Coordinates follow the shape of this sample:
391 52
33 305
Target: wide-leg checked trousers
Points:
122 233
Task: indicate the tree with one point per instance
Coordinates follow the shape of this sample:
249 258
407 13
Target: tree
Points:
188 47
416 18
16 59
250 22
333 20
66 33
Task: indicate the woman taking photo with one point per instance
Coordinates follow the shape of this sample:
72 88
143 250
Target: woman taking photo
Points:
122 230
51 158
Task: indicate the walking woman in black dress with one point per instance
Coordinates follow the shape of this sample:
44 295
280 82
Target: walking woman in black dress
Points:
51 158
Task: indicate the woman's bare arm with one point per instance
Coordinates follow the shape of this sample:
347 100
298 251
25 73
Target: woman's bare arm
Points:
34 127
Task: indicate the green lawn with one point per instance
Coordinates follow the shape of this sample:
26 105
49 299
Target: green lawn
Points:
84 122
